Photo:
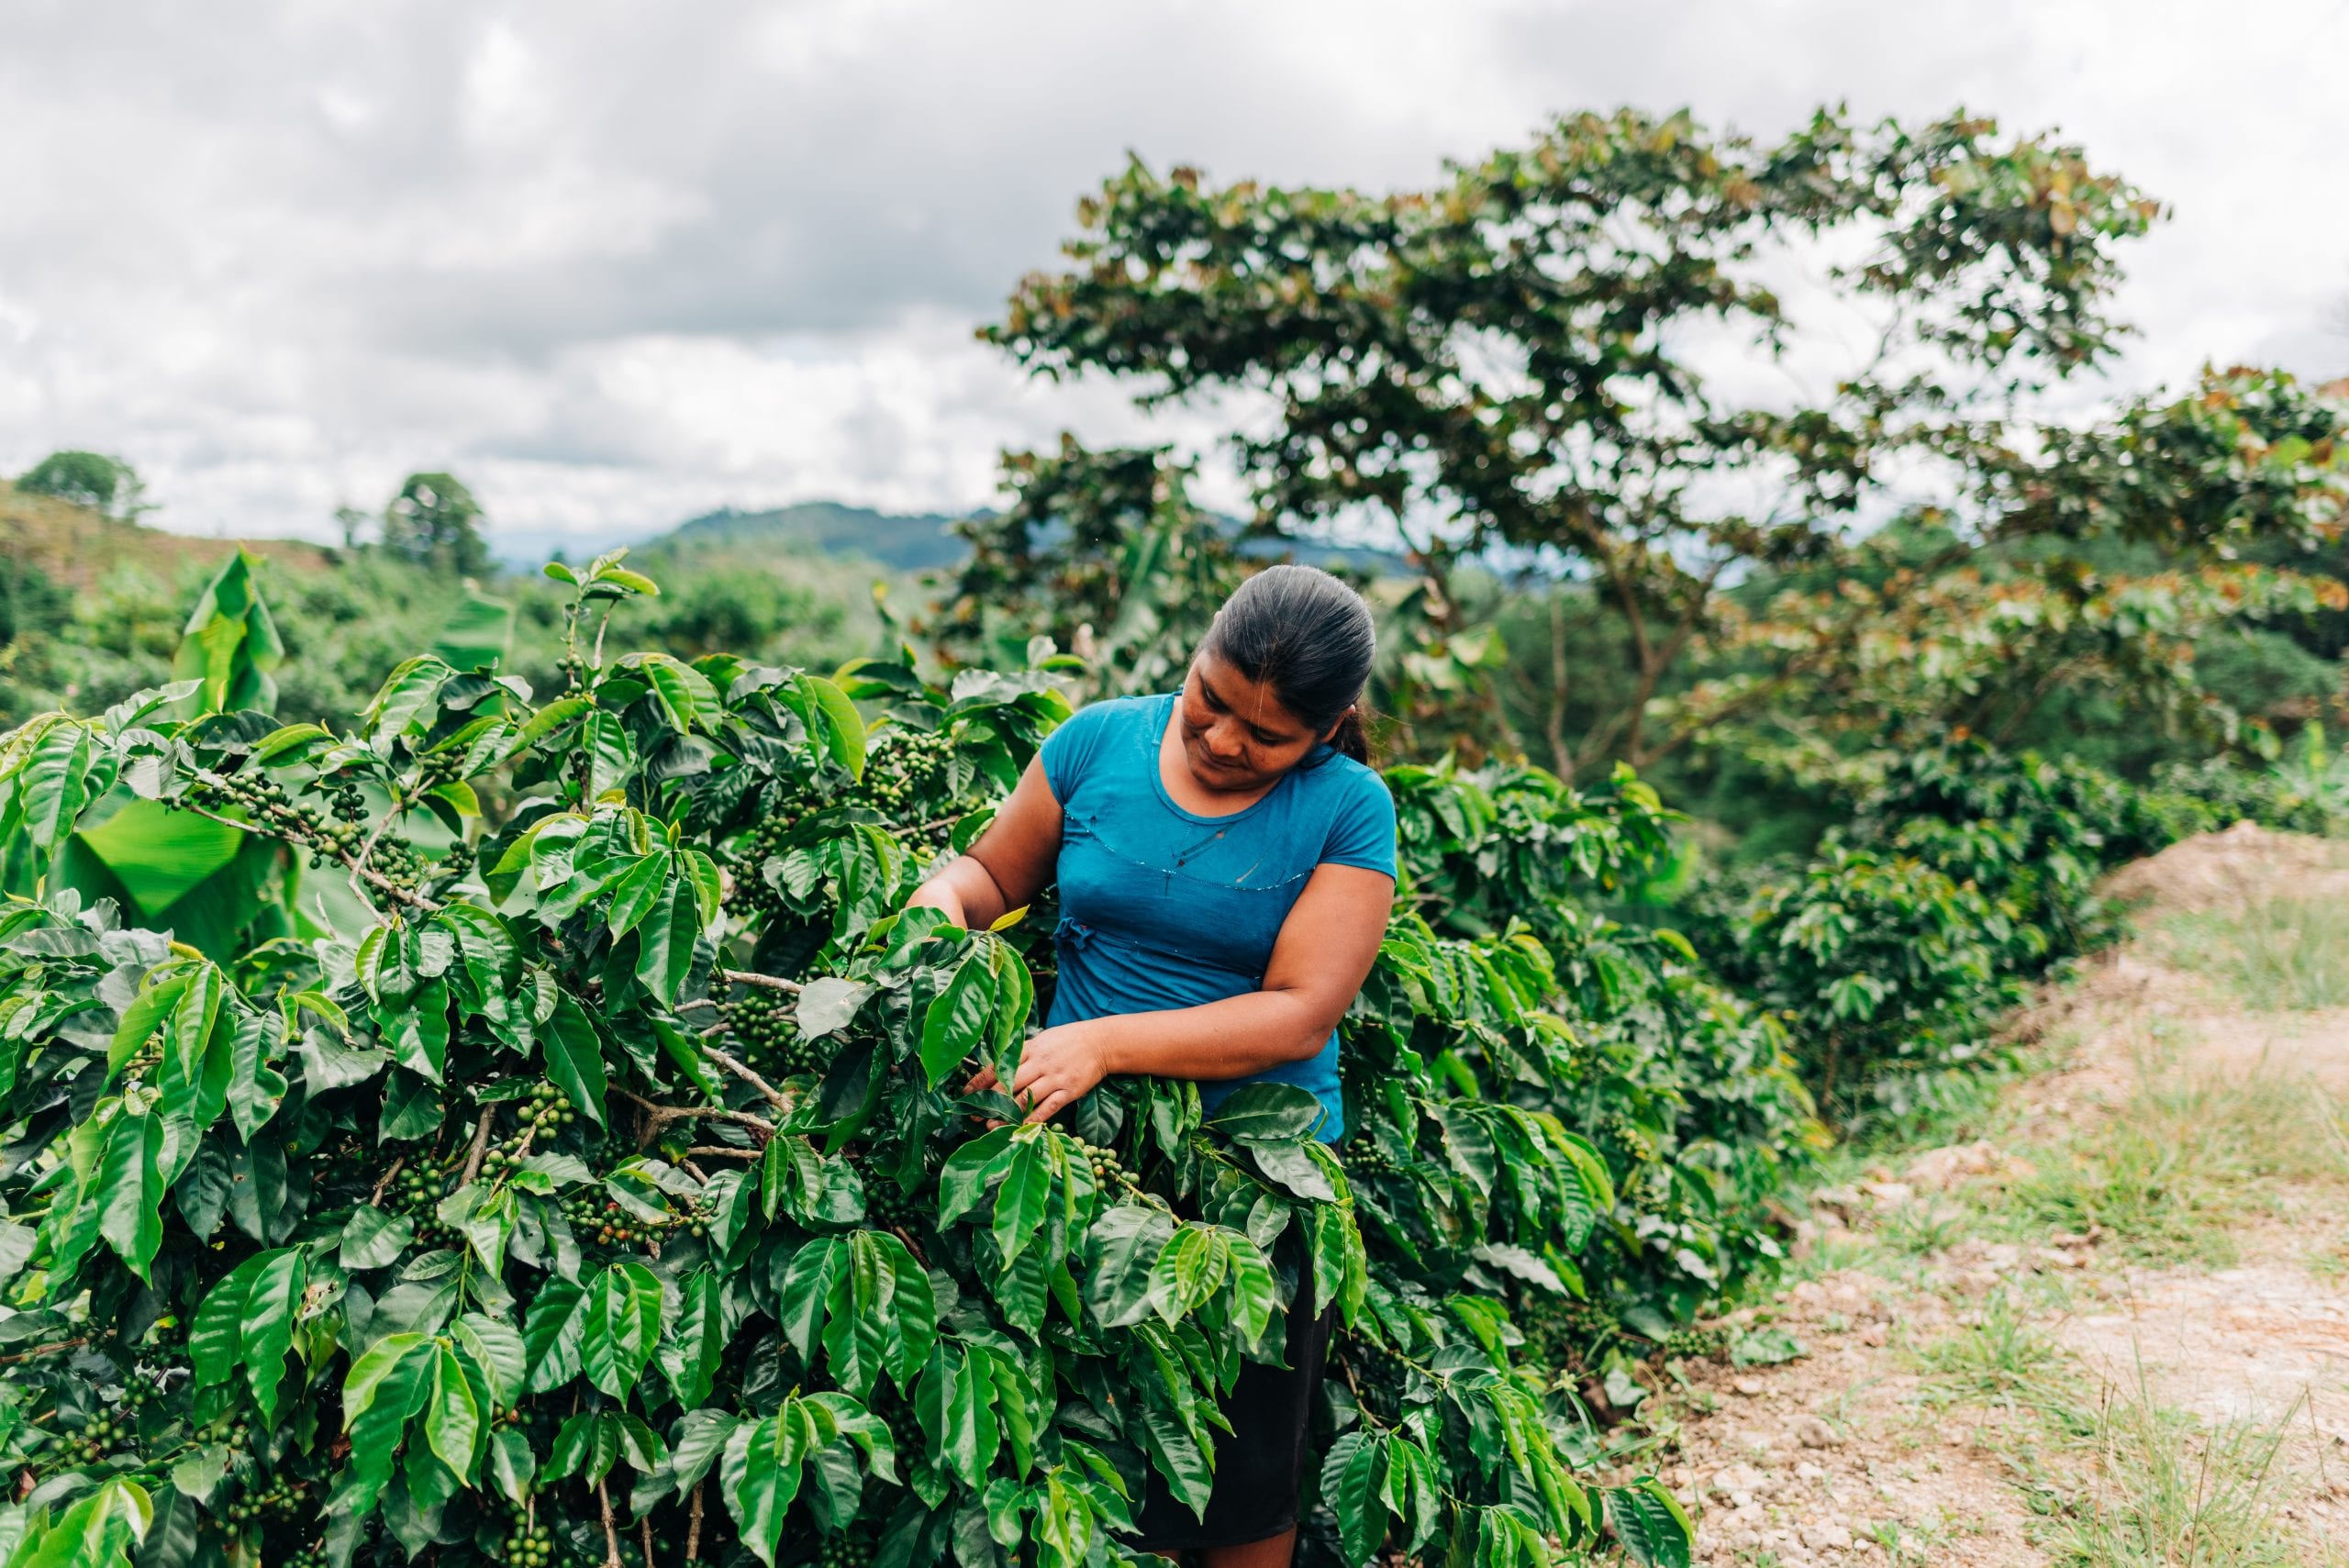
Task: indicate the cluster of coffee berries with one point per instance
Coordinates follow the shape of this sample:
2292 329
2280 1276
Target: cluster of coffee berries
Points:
1559 1330
851 1549
889 1207
268 807
527 1546
1365 1157
1707 1342
1622 1140
399 865
544 1111
234 1430
440 767
605 1223
417 1188
904 772
281 1499
762 1024
770 837
99 1436
1108 1171
349 804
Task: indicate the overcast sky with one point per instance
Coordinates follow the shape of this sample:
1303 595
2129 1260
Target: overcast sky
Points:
617 263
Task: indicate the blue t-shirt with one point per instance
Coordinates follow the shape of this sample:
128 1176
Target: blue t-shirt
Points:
1161 908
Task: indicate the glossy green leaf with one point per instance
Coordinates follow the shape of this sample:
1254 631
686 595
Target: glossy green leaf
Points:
954 1024
575 1057
619 1327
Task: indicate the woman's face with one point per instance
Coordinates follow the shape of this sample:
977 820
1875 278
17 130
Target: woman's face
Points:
1236 735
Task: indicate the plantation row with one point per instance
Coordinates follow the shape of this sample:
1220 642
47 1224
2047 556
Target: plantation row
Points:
532 1130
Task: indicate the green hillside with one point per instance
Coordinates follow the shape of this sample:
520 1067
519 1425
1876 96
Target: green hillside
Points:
926 541
919 542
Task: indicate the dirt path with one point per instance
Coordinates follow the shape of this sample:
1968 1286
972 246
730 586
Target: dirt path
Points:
2105 1318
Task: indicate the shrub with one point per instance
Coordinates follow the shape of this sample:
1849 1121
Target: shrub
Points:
540 1138
1689 1090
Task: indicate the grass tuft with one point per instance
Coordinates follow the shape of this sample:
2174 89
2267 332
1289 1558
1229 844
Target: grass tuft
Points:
2170 1490
2177 1169
2278 953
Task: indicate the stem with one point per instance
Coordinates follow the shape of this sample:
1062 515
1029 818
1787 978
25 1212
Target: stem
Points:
373 879
658 1116
47 1349
645 1523
930 826
775 1096
480 1145
375 1198
773 983
716 1150
693 1525
611 1535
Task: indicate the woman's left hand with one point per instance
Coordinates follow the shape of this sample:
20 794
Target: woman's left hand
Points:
1059 1067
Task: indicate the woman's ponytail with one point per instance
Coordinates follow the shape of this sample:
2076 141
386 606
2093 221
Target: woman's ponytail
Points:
1352 738
1310 637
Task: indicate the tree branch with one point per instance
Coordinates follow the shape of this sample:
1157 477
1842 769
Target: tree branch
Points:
375 879
375 1198
1553 724
611 1535
659 1117
480 1148
771 982
775 1096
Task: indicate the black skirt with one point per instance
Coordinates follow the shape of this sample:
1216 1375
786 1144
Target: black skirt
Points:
1260 1464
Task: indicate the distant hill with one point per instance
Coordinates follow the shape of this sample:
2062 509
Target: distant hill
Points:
923 541
77 548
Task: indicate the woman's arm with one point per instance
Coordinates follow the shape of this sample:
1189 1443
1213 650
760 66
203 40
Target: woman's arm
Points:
1011 863
1319 961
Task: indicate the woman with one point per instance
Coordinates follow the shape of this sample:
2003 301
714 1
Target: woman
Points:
1226 860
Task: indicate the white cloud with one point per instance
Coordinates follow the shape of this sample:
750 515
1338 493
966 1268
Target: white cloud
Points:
617 263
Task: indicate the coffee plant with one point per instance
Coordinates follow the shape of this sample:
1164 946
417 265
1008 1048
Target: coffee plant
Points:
550 1146
1964 874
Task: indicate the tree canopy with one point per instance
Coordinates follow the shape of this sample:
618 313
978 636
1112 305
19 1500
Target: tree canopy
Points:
103 483
433 521
1621 356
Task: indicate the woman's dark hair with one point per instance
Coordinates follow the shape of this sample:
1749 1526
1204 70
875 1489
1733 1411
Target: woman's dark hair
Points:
1308 637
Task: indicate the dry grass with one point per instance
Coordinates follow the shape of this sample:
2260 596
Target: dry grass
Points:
78 548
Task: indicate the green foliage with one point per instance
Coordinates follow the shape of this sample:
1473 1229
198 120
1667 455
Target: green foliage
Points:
1105 554
598 1162
103 483
1960 878
230 644
1686 1092
1510 350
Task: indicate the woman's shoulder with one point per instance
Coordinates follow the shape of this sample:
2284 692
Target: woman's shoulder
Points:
1094 732
1343 778
1110 716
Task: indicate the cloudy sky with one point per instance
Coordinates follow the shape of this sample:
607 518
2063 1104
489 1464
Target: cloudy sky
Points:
618 263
